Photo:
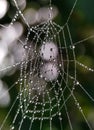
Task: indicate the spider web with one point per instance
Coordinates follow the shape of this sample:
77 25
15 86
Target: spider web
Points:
40 100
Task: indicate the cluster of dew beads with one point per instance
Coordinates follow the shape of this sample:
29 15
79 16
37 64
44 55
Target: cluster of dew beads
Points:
49 53
41 78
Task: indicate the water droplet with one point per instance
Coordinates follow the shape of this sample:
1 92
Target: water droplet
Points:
25 46
72 47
